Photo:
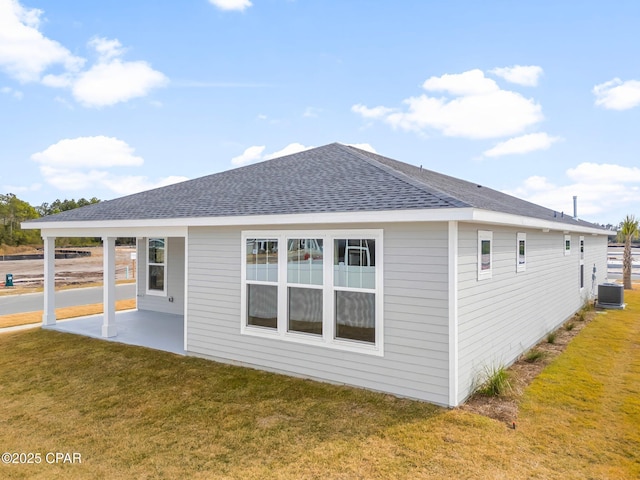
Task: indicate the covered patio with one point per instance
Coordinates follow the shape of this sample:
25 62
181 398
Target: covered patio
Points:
160 331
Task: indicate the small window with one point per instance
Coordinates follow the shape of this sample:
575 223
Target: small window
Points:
157 271
521 256
567 244
262 305
485 254
262 259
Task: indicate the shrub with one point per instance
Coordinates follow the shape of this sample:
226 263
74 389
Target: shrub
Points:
533 356
497 382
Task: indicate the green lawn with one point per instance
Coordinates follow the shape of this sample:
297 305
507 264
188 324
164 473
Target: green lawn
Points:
137 413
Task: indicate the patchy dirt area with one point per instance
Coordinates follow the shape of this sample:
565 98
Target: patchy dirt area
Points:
29 274
505 407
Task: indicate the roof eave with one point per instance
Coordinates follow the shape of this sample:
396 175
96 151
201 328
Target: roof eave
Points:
508 219
179 226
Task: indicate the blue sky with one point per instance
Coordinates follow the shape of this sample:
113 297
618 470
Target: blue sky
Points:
540 99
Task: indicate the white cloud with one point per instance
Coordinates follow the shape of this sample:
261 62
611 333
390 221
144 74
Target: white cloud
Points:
251 154
288 150
478 109
239 5
523 144
618 95
375 112
99 151
83 163
107 49
10 91
472 82
604 191
254 154
116 81
604 172
25 53
362 146
522 75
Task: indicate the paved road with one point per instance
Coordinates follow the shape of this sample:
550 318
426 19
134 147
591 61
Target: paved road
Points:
32 302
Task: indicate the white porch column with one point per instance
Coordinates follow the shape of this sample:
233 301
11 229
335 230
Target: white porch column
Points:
49 315
109 288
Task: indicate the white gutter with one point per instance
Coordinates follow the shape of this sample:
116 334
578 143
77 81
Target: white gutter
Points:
179 226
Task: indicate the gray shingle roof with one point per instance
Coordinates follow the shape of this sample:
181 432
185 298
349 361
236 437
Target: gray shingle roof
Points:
332 178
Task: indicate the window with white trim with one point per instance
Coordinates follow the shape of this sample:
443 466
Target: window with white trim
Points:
261 273
521 252
156 266
314 287
567 244
485 254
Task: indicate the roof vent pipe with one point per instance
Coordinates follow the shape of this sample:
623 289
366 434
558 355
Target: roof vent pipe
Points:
575 207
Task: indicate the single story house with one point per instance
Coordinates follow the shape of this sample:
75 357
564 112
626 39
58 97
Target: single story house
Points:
345 266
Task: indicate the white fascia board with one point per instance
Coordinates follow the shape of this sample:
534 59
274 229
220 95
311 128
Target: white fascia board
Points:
497 218
178 226
99 229
385 216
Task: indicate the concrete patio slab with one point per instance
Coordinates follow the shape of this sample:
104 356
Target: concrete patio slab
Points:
160 331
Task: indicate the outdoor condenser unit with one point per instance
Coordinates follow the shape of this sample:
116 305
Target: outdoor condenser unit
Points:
610 295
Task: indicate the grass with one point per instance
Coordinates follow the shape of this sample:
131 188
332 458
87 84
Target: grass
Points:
138 413
551 337
570 326
533 356
497 382
16 319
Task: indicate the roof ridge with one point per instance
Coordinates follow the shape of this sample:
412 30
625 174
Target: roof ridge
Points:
456 202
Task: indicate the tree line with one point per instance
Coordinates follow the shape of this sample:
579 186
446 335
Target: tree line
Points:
14 211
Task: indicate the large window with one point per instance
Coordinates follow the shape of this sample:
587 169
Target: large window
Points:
326 289
157 268
485 254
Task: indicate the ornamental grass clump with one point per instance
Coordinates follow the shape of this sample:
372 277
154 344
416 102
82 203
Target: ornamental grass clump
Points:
533 356
497 382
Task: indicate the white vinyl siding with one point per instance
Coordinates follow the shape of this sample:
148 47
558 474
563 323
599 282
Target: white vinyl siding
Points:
415 327
500 318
